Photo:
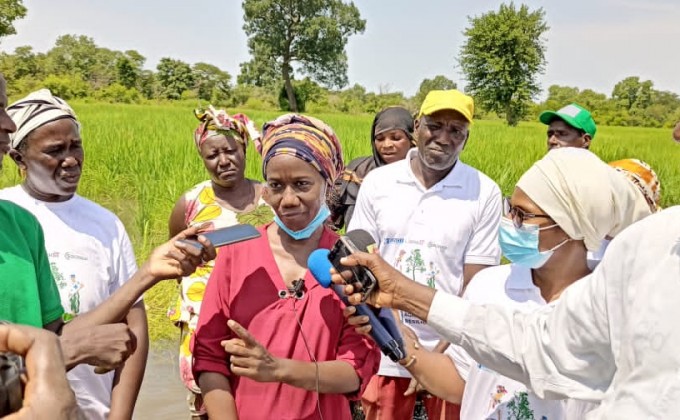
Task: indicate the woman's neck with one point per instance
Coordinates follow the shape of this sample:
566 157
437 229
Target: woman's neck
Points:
240 196
291 255
293 246
553 279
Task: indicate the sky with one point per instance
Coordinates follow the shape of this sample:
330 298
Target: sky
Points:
590 44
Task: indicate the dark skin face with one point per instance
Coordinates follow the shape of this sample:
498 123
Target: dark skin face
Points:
547 238
294 189
392 145
224 158
561 134
441 137
52 158
6 124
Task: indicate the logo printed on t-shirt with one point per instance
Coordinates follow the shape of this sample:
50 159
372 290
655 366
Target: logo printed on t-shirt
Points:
69 290
72 256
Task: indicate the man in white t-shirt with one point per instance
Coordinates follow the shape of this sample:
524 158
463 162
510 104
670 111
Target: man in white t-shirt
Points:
91 256
89 252
436 220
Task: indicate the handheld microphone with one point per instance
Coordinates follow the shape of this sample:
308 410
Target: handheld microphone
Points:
355 240
383 328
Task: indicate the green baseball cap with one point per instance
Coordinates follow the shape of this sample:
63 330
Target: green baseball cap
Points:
573 114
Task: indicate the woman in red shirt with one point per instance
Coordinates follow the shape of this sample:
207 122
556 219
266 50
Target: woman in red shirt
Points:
271 342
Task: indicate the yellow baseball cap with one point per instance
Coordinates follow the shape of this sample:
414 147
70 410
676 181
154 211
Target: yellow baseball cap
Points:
437 100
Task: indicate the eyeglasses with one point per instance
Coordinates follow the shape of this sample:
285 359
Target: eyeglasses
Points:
517 215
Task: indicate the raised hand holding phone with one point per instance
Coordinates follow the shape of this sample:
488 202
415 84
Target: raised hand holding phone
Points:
227 235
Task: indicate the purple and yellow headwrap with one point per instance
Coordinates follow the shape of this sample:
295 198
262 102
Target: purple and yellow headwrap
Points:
306 138
217 121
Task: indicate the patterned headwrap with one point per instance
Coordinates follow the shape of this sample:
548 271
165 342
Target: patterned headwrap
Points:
217 121
644 178
306 138
34 111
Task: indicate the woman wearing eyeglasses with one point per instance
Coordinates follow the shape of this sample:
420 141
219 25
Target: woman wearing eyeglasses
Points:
563 206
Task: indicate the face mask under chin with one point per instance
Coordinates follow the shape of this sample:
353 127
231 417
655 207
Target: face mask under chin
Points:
311 227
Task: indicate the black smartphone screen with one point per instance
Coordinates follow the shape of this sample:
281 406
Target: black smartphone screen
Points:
231 235
228 235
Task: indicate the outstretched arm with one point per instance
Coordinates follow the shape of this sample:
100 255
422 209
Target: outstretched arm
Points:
128 378
563 351
168 261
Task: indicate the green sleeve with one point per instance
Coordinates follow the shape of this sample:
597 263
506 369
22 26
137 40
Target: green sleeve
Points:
50 302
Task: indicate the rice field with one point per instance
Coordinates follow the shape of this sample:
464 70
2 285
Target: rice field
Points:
141 158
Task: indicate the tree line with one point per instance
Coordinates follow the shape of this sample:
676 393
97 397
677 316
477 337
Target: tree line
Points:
299 63
76 67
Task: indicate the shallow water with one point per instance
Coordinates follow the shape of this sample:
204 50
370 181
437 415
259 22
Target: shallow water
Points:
163 395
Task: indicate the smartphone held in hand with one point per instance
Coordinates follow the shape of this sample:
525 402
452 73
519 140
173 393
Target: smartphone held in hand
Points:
227 236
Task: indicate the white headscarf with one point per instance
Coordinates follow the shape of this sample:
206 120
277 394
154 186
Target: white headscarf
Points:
36 110
586 197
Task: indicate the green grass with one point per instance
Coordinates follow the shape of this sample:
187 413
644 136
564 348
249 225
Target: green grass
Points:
140 159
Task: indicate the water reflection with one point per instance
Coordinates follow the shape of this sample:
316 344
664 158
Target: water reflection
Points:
162 395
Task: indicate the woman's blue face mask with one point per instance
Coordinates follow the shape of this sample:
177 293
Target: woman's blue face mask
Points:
311 227
520 245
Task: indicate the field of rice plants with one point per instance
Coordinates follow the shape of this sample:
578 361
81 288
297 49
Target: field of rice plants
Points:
140 159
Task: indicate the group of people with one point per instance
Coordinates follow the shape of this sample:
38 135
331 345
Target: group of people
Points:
260 338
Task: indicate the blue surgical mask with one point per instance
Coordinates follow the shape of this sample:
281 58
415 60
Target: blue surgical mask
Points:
520 245
306 232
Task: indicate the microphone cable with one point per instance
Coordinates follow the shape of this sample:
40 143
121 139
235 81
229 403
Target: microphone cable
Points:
295 297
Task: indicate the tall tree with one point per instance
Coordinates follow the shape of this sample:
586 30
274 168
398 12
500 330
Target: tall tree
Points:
559 96
72 54
174 77
127 73
502 57
10 10
129 68
259 71
632 93
211 82
24 62
311 35
439 82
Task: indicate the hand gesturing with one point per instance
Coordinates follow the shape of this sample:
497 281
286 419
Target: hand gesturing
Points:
248 357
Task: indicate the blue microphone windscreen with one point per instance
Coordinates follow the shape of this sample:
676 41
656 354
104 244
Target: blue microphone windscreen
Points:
320 267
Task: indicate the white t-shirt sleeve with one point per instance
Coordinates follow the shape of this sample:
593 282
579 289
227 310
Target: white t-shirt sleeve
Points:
125 264
483 247
364 212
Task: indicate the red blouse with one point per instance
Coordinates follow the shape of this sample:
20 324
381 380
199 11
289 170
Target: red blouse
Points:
244 286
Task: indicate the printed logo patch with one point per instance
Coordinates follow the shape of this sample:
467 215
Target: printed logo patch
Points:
570 110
